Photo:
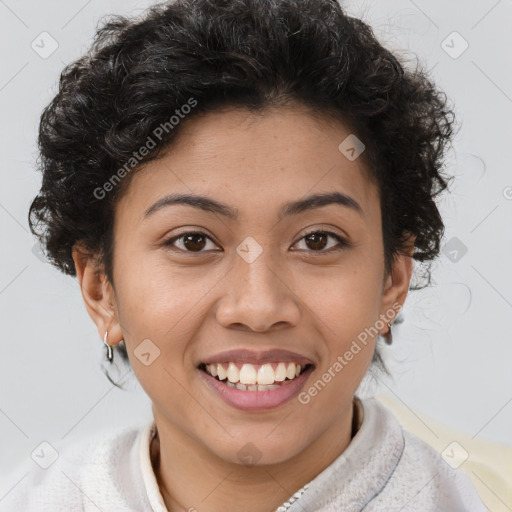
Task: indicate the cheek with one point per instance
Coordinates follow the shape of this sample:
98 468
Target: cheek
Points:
159 316
165 305
345 306
344 313
157 294
347 301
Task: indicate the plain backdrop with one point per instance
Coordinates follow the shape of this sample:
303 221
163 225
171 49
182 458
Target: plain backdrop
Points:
451 357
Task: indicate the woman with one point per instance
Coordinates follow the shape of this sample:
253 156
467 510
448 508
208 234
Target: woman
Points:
240 188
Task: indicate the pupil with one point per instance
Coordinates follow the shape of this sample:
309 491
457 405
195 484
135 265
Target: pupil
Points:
314 237
187 241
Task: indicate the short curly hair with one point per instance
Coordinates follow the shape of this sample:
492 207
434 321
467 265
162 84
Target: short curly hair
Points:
253 54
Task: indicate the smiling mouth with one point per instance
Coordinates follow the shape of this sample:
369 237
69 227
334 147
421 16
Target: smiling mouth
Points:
252 377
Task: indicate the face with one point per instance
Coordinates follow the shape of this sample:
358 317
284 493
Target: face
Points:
193 283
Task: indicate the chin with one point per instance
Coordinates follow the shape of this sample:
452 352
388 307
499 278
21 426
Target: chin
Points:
255 447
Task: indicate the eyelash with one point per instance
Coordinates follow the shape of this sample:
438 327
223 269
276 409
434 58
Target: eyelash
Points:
342 242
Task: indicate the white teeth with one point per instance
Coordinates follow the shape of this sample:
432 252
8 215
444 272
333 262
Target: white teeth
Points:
248 374
290 371
254 375
266 374
221 372
280 372
252 387
233 373
268 388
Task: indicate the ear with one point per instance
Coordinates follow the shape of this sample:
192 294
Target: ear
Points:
396 285
98 294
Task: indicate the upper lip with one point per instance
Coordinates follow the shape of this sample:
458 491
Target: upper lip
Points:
257 357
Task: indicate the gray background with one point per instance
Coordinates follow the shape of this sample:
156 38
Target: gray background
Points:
451 357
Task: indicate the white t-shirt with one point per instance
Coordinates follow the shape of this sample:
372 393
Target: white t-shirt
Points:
384 468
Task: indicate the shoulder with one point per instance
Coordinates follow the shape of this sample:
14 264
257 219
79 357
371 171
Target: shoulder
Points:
422 480
77 474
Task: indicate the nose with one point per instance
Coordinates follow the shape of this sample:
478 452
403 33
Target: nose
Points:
259 297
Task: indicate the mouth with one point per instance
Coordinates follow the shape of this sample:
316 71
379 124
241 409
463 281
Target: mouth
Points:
255 387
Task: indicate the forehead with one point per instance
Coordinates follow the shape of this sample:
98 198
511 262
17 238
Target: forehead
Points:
254 161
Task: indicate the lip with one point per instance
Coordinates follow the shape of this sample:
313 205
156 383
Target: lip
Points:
257 357
256 400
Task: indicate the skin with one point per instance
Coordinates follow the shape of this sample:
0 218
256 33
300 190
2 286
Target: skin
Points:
196 304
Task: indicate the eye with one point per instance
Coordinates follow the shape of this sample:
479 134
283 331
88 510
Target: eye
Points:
317 241
193 241
196 241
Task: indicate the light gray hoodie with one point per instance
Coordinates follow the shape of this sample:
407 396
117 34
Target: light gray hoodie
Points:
384 468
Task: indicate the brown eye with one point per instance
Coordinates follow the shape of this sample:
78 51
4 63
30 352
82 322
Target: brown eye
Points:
190 242
317 241
194 242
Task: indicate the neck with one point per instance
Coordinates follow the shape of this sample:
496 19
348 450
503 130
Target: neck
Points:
190 477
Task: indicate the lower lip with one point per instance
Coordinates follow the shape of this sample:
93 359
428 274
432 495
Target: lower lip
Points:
257 400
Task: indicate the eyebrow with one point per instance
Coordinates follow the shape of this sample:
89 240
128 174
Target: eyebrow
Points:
291 208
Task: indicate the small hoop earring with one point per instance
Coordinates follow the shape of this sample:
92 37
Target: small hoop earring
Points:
388 337
110 352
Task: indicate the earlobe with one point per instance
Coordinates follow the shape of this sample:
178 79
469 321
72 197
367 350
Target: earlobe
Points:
97 293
